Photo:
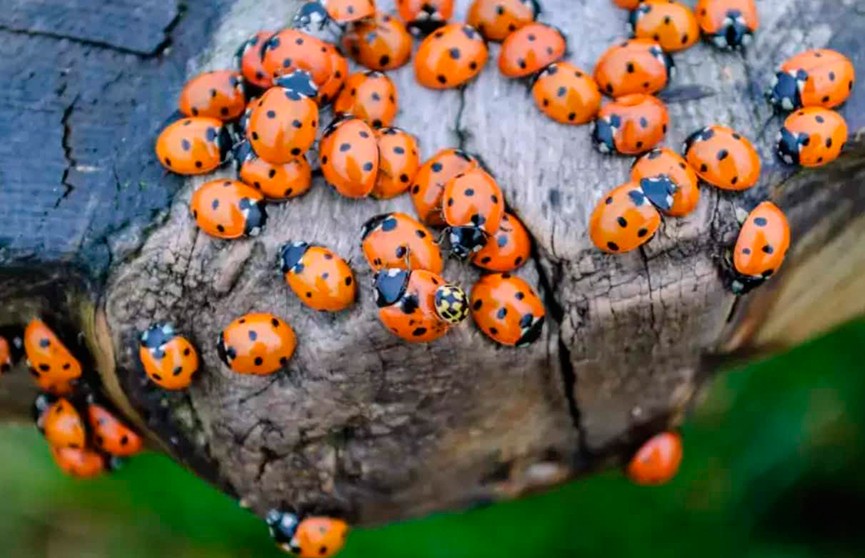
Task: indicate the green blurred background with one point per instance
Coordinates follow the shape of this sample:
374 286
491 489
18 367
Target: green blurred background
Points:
773 468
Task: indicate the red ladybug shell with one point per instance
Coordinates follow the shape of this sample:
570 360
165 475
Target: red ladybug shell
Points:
723 158
397 241
5 356
380 44
50 362
169 360
78 463
657 461
450 57
110 435
320 279
812 137
627 4
411 313
196 145
276 181
814 78
257 343
349 157
214 95
670 24
347 11
425 15
474 199
248 60
762 243
228 209
666 162
290 50
633 66
631 125
282 125
370 96
567 94
330 89
508 250
507 309
623 220
496 19
398 162
430 180
530 49
728 24
319 537
62 425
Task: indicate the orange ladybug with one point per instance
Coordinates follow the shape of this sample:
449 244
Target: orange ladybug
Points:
398 162
418 306
5 356
666 162
320 279
283 122
530 49
511 248
78 462
228 209
395 240
425 16
723 158
507 310
330 89
450 57
496 19
62 425
248 60
110 435
169 359
627 4
214 95
473 210
727 24
348 11
49 361
633 66
196 145
382 43
430 180
814 78
289 50
567 94
670 24
257 343
370 96
812 137
280 181
349 157
627 216
657 461
313 537
630 125
760 248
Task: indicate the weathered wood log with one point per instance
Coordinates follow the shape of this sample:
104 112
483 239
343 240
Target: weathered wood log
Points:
95 235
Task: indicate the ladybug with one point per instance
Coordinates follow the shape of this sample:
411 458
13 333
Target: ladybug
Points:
169 359
382 43
507 310
496 19
473 209
49 361
634 66
398 162
110 434
5 356
627 4
257 343
666 162
760 248
370 96
814 78
425 16
217 94
418 306
283 122
657 461
395 240
430 180
79 462
566 94
347 11
62 425
196 145
812 137
290 50
630 125
450 57
670 24
723 158
349 157
320 279
330 89
511 249
530 49
627 216
312 537
727 24
279 181
248 61
228 209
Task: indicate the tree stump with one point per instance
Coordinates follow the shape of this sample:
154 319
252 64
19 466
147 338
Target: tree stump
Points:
95 235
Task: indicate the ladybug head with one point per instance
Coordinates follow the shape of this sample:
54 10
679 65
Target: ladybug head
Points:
310 15
465 241
451 304
298 83
254 214
290 255
659 190
603 133
735 32
385 221
282 525
243 152
390 285
225 140
157 335
531 328
40 405
790 144
784 94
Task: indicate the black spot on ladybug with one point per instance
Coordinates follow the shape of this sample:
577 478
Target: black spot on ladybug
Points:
631 68
344 147
255 136
223 111
324 160
404 178
477 305
177 370
375 96
44 367
522 63
639 145
286 63
186 351
642 232
442 79
643 122
684 38
297 124
436 167
198 164
704 168
157 377
384 60
622 222
419 331
609 88
760 221
400 251
367 166
828 142
474 66
220 228
420 234
734 180
252 335
469 192
767 249
348 281
722 154
454 53
259 361
215 204
168 162
415 189
44 342
826 99
494 331
613 246
502 313
494 198
377 123
486 260
185 145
